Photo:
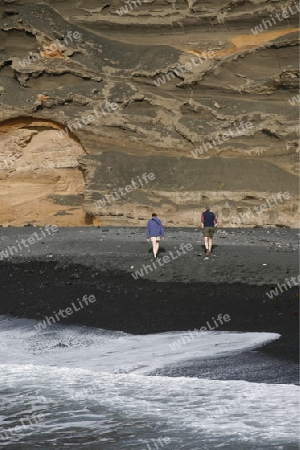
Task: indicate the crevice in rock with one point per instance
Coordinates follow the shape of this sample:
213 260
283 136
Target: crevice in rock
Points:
10 13
269 133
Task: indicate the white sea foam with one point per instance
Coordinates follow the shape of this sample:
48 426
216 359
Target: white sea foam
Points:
95 384
113 351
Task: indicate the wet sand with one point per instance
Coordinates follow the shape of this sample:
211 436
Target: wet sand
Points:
184 294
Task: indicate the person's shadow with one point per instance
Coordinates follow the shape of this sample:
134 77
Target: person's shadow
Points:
160 250
212 248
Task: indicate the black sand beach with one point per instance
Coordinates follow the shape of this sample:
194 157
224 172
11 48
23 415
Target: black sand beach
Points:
184 294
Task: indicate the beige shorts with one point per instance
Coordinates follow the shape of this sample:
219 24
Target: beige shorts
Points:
155 239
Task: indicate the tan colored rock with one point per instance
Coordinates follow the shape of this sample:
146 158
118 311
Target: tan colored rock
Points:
41 181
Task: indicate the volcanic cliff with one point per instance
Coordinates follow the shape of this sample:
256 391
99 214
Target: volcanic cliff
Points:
110 111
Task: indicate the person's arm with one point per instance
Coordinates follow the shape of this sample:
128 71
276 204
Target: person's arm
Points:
202 220
215 221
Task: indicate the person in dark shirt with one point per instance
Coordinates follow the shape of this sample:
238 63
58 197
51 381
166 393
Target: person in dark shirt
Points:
155 232
208 223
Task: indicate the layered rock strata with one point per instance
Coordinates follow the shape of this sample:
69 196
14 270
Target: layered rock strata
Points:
202 95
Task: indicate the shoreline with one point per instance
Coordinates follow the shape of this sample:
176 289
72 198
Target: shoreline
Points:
183 295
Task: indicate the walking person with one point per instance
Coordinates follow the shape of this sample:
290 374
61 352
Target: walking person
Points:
208 223
155 232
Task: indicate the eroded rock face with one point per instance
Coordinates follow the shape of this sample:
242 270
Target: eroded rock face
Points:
203 95
39 175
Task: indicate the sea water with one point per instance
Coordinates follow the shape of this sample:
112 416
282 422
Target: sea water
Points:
74 387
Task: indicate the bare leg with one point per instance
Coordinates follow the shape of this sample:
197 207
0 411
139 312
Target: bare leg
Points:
206 243
155 246
209 244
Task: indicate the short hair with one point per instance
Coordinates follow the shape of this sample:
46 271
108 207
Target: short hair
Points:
207 207
154 215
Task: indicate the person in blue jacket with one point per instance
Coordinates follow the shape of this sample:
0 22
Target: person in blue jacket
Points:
155 232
